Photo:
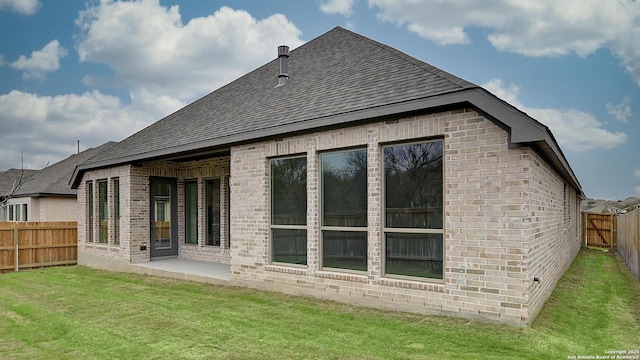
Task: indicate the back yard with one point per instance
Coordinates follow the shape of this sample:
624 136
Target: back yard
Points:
75 312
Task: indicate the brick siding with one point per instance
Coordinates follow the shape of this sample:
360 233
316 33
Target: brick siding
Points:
494 199
508 218
135 209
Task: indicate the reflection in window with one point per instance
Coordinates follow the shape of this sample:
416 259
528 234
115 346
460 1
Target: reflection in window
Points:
414 209
17 212
103 214
191 211
89 197
289 210
212 195
116 211
344 209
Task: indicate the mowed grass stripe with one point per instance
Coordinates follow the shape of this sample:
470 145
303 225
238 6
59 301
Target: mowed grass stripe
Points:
75 312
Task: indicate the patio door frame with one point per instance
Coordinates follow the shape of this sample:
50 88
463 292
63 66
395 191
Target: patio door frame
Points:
172 250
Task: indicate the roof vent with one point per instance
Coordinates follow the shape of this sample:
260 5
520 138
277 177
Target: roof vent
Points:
283 54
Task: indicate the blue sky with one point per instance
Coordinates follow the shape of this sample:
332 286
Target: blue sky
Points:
98 71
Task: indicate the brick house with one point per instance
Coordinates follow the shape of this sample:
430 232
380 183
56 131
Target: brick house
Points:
351 171
43 195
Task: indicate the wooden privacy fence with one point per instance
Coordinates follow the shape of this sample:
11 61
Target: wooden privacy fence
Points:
629 240
26 245
599 230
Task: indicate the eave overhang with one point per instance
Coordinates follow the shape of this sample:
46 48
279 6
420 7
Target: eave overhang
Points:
522 129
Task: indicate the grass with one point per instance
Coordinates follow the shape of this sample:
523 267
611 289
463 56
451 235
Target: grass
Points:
75 312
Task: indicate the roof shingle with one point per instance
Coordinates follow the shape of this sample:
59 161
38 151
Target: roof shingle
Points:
335 73
53 179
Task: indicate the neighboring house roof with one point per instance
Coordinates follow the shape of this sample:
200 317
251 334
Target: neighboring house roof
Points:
335 79
605 208
13 177
54 179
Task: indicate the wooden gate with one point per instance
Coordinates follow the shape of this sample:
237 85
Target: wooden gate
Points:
599 230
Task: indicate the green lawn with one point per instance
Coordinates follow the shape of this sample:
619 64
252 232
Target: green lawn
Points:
79 313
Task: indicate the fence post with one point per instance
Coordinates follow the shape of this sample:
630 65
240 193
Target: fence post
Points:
611 231
584 228
15 247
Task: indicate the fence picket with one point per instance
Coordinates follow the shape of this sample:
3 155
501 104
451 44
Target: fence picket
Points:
629 240
36 244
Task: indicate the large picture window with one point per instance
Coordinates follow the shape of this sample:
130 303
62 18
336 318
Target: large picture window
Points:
289 210
103 213
344 209
191 211
413 214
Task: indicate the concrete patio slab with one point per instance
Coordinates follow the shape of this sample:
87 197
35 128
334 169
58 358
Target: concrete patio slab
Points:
177 268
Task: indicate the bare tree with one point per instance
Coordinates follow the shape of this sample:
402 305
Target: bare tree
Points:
17 185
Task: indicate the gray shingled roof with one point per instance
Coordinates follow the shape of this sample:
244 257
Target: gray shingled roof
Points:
337 78
54 179
12 177
336 73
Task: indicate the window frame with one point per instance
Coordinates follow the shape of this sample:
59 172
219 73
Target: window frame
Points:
115 183
90 211
24 212
103 212
273 226
404 230
187 239
206 210
357 229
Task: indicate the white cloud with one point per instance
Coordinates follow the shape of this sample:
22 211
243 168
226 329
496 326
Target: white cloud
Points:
637 190
2 60
621 112
24 7
636 173
531 28
342 7
152 51
163 64
46 128
574 130
41 61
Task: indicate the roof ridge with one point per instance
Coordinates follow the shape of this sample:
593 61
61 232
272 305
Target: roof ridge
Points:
444 75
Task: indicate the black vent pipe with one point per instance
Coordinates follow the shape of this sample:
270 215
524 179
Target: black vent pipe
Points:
283 54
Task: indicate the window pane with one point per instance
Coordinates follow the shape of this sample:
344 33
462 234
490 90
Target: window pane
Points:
162 222
289 246
116 211
289 191
344 250
11 218
344 189
102 212
191 212
161 189
414 255
212 190
90 212
413 186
